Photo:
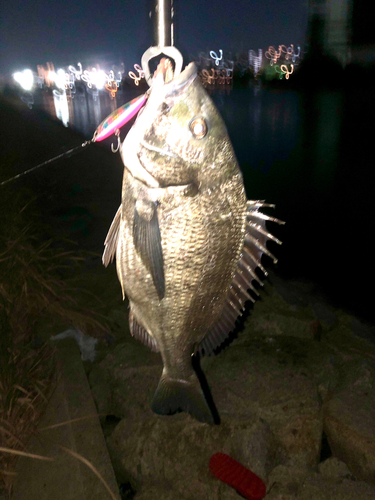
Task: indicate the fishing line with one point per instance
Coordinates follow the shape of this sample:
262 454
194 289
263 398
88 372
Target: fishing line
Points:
62 155
109 126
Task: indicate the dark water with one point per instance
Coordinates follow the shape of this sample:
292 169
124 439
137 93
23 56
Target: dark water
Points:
310 153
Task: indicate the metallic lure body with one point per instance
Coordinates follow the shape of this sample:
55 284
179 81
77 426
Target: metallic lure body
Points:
118 118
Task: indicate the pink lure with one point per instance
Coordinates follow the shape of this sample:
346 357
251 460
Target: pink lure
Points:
118 118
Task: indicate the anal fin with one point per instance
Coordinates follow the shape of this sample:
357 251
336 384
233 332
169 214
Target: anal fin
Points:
140 333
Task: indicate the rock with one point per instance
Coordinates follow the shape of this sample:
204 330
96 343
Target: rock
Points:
173 491
269 413
283 310
293 359
349 418
273 316
245 382
119 322
316 487
286 483
363 330
323 313
333 468
295 292
275 324
85 343
124 382
99 380
163 449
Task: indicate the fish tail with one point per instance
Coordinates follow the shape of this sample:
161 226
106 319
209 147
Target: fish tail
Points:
175 395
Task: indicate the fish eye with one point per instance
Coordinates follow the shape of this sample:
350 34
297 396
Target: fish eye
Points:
198 127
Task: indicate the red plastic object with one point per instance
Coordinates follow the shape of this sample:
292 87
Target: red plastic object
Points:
231 472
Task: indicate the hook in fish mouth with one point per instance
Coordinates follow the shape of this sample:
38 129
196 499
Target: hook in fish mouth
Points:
164 152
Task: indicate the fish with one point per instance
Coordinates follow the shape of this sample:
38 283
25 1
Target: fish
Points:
187 242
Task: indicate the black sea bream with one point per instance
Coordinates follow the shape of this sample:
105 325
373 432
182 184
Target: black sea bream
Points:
187 241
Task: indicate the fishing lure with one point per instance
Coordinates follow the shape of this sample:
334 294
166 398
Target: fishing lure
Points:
109 126
118 118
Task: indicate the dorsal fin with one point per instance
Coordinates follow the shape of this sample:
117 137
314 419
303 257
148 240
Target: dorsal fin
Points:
140 333
254 246
112 239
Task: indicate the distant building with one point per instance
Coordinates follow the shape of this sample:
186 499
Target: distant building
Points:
330 28
363 32
343 29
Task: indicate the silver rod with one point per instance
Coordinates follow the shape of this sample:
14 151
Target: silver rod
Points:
163 23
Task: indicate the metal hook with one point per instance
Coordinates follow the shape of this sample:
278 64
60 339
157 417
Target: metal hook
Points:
162 14
117 134
152 52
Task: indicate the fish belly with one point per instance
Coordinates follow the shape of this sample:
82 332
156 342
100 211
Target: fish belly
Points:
201 238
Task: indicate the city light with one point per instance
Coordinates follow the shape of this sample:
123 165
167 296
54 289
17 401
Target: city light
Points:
221 77
46 75
215 57
60 79
61 106
76 73
284 70
273 55
111 87
255 62
140 72
220 74
25 78
291 54
95 78
214 70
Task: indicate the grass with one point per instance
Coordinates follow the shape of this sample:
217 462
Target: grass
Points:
34 286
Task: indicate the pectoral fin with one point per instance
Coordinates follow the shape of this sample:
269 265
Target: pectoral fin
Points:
147 242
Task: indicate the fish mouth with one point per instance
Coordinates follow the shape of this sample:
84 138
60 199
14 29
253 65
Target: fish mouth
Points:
164 152
182 81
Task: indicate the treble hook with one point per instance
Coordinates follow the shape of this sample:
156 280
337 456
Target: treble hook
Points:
117 134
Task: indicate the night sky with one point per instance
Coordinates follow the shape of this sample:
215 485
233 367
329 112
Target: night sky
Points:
65 32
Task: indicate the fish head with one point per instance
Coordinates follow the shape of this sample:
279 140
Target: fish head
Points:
184 139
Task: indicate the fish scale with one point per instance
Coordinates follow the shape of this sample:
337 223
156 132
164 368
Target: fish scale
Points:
187 241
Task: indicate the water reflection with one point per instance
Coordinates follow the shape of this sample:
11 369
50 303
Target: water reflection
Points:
82 108
61 106
297 150
263 125
253 116
325 118
279 133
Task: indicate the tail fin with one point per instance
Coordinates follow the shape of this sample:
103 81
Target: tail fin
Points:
174 395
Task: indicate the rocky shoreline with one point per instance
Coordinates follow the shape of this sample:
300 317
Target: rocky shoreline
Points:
295 391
